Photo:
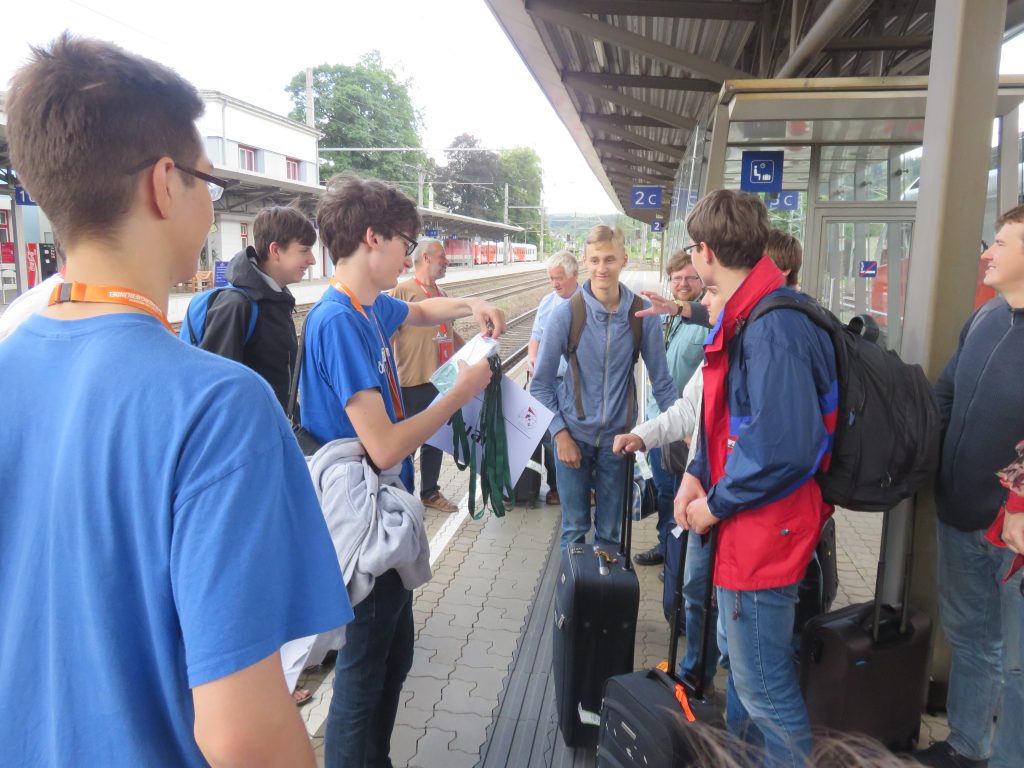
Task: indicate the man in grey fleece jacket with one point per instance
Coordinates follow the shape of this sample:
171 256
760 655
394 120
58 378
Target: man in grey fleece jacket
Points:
585 461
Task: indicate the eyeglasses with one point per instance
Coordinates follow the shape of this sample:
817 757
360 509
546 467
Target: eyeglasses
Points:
214 185
690 247
687 279
411 243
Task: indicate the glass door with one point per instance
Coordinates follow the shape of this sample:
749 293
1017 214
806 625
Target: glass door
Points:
861 266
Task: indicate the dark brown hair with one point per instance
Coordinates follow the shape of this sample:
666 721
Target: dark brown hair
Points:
81 114
281 224
351 205
785 251
678 260
733 224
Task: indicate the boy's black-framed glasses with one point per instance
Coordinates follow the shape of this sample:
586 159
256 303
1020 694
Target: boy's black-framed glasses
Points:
689 248
411 243
214 184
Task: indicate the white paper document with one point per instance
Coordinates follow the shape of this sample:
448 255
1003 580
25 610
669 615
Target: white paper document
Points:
526 420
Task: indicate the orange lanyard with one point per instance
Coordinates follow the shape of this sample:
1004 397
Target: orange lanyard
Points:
107 294
444 326
389 365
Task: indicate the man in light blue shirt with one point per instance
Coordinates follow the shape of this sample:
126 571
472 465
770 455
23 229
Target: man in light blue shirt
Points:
563 271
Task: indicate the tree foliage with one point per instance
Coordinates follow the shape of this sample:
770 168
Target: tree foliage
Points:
473 184
468 183
364 105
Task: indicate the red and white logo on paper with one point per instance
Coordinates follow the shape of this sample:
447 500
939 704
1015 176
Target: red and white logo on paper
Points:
527 418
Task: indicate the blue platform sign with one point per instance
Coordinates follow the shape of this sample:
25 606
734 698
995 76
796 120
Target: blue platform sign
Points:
787 200
658 225
220 274
431 232
21 197
869 269
761 171
641 196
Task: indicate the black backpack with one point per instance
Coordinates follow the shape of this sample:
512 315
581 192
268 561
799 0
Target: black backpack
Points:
886 443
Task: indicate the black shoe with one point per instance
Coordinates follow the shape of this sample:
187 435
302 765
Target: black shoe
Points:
941 755
651 557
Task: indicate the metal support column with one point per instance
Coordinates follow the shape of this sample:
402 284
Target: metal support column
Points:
1009 164
966 43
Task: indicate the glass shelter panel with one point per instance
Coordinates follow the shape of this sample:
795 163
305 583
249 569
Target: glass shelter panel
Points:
865 261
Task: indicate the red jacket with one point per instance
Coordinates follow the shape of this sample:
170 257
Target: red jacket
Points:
1014 505
761 448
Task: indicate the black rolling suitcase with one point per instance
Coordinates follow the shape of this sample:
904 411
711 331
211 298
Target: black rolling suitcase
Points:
597 599
647 717
864 668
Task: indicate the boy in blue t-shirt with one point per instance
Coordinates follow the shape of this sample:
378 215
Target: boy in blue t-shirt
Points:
165 539
349 388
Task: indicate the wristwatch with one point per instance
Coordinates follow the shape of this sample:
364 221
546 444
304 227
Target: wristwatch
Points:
679 307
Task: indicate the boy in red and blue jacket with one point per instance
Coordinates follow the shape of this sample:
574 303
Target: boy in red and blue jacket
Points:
770 400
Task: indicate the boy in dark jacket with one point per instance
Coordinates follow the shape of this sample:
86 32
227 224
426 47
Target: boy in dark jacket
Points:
284 239
770 399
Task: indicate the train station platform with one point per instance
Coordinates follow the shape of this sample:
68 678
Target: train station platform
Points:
480 692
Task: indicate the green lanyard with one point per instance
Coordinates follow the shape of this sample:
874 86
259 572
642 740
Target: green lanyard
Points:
495 477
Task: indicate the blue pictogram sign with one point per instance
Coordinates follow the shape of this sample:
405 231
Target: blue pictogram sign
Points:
658 225
869 269
431 232
644 197
761 171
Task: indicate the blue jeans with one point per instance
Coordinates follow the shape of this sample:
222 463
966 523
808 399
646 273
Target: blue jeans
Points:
605 473
695 582
368 678
984 622
666 484
764 706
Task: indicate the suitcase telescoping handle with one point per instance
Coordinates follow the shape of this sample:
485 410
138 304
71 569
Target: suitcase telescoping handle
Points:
626 524
876 615
695 680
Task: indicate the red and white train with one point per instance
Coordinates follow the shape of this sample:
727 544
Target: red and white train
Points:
487 252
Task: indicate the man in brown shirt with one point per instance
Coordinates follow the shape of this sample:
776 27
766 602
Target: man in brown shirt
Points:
419 352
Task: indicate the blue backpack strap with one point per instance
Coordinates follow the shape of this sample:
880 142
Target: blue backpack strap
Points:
193 325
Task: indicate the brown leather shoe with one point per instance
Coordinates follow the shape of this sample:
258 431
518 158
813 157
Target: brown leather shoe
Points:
551 498
439 502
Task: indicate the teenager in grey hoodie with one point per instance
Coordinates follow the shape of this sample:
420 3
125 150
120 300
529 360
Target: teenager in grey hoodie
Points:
585 461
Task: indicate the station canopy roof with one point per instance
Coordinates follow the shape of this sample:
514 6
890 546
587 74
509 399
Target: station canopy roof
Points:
631 79
465 226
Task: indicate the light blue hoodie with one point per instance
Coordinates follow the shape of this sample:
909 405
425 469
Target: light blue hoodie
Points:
605 356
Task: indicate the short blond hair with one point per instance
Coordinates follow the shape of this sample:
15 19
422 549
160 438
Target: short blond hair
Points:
602 233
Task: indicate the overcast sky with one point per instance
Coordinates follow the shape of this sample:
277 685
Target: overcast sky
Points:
466 76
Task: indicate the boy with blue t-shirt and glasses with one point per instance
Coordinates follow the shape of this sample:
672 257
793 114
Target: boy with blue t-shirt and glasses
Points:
349 389
165 535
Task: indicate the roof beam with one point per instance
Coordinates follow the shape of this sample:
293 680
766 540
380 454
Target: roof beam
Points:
614 149
638 139
652 49
867 43
648 122
663 82
669 9
637 105
615 168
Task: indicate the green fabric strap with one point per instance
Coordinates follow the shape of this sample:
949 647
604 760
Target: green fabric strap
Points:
494 476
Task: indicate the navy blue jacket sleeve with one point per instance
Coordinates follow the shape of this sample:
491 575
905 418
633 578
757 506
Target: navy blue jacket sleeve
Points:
553 345
944 386
779 446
